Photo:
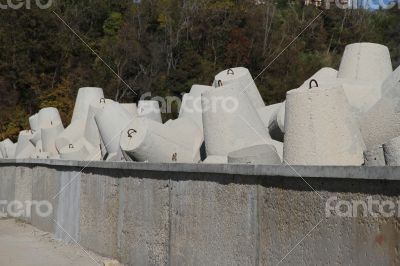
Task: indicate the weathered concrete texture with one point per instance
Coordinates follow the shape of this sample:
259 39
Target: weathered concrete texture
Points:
287 217
7 184
99 203
320 129
381 123
23 189
143 221
213 223
45 187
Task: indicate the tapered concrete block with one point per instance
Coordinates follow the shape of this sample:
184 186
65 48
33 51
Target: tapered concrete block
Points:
24 148
85 97
260 154
34 122
150 110
230 122
320 129
92 134
381 123
146 140
391 150
325 75
8 149
191 105
244 83
374 157
37 137
72 134
391 85
111 121
49 135
48 117
365 61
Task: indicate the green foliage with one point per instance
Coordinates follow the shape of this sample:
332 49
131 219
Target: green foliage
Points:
165 46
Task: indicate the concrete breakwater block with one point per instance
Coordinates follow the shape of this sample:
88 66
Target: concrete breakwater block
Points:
49 135
320 129
259 154
34 122
391 151
8 149
191 105
85 97
75 152
72 134
48 117
365 61
150 110
145 140
111 121
24 148
375 157
230 122
243 82
92 134
381 123
391 85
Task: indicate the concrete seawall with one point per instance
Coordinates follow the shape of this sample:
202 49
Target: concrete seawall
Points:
191 214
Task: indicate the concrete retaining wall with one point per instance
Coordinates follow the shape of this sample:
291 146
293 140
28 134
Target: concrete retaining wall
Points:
183 214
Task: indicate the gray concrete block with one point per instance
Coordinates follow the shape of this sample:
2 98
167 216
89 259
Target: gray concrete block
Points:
213 223
7 188
143 221
99 213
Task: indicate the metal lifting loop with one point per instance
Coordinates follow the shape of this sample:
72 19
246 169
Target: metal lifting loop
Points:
311 84
71 146
102 100
230 72
131 132
219 83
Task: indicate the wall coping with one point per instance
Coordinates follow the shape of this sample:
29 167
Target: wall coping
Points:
341 172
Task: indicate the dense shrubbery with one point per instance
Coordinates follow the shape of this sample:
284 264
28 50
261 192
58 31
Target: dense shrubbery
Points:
165 46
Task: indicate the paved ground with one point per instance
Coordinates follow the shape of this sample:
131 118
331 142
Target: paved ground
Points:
24 245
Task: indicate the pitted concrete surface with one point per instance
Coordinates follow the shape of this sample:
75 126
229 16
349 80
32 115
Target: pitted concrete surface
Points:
23 245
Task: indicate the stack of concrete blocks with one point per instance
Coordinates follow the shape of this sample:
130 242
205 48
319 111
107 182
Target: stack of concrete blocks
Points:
320 129
72 140
230 119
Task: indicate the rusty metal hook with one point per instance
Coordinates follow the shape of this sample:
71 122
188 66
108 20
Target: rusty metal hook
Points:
71 146
219 82
131 132
311 84
102 100
230 72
